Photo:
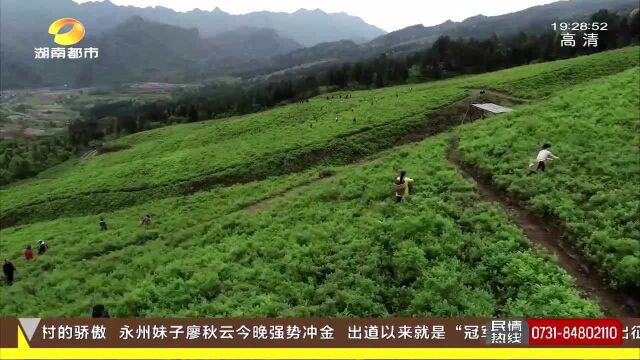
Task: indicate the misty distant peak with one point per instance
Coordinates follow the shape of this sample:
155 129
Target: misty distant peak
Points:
316 12
475 19
217 10
305 26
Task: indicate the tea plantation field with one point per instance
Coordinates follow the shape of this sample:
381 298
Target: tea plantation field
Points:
595 186
276 234
341 248
165 161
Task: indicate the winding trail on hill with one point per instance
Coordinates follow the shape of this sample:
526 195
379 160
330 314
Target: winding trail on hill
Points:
549 236
268 201
297 189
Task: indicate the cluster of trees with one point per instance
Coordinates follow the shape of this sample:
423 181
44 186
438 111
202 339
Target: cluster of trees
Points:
211 101
112 119
20 159
445 58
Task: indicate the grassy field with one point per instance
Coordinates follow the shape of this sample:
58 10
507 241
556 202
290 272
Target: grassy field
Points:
594 187
340 246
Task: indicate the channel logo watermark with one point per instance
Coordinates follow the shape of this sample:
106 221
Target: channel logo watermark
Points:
71 37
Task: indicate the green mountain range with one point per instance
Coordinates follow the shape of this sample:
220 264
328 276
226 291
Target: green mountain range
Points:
159 44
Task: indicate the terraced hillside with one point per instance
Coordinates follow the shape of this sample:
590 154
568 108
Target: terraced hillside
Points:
263 215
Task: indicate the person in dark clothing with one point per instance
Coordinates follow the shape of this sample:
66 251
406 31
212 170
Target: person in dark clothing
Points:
8 269
103 224
146 220
28 253
42 247
99 311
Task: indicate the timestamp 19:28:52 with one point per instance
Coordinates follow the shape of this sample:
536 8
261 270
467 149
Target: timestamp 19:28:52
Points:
579 26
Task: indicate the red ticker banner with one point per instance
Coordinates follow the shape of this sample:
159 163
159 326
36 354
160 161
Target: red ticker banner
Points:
299 338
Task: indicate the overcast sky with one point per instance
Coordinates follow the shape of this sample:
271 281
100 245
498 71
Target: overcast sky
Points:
388 15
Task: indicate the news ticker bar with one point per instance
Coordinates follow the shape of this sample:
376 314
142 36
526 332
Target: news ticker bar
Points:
319 333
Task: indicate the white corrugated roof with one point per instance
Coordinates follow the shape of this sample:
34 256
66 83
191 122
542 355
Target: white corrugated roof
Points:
493 108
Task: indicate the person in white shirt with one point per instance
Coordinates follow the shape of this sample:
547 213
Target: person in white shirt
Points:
543 156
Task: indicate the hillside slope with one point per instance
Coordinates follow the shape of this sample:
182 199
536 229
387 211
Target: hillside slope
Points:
341 248
172 160
247 44
593 188
322 241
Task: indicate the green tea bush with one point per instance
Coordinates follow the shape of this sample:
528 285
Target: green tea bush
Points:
343 247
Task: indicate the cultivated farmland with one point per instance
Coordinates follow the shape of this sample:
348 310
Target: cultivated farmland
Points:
290 212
